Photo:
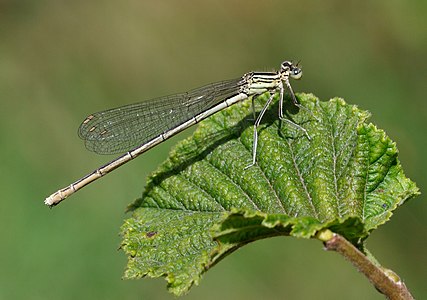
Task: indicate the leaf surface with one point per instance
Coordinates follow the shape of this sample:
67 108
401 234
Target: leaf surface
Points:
201 204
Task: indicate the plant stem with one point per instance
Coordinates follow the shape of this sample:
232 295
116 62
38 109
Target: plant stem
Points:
385 281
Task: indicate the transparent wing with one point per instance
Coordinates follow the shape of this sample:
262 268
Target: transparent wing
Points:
123 128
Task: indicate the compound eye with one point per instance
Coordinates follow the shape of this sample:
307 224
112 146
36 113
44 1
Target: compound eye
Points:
296 73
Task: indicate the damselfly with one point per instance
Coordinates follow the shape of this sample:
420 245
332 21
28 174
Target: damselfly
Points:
141 126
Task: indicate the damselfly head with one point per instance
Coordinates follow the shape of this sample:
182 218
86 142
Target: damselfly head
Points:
292 69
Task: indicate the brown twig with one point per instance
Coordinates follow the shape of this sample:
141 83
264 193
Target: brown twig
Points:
385 281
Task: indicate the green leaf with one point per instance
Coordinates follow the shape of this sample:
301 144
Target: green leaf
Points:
202 204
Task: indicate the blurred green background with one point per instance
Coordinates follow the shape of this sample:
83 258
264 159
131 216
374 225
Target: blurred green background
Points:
61 60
